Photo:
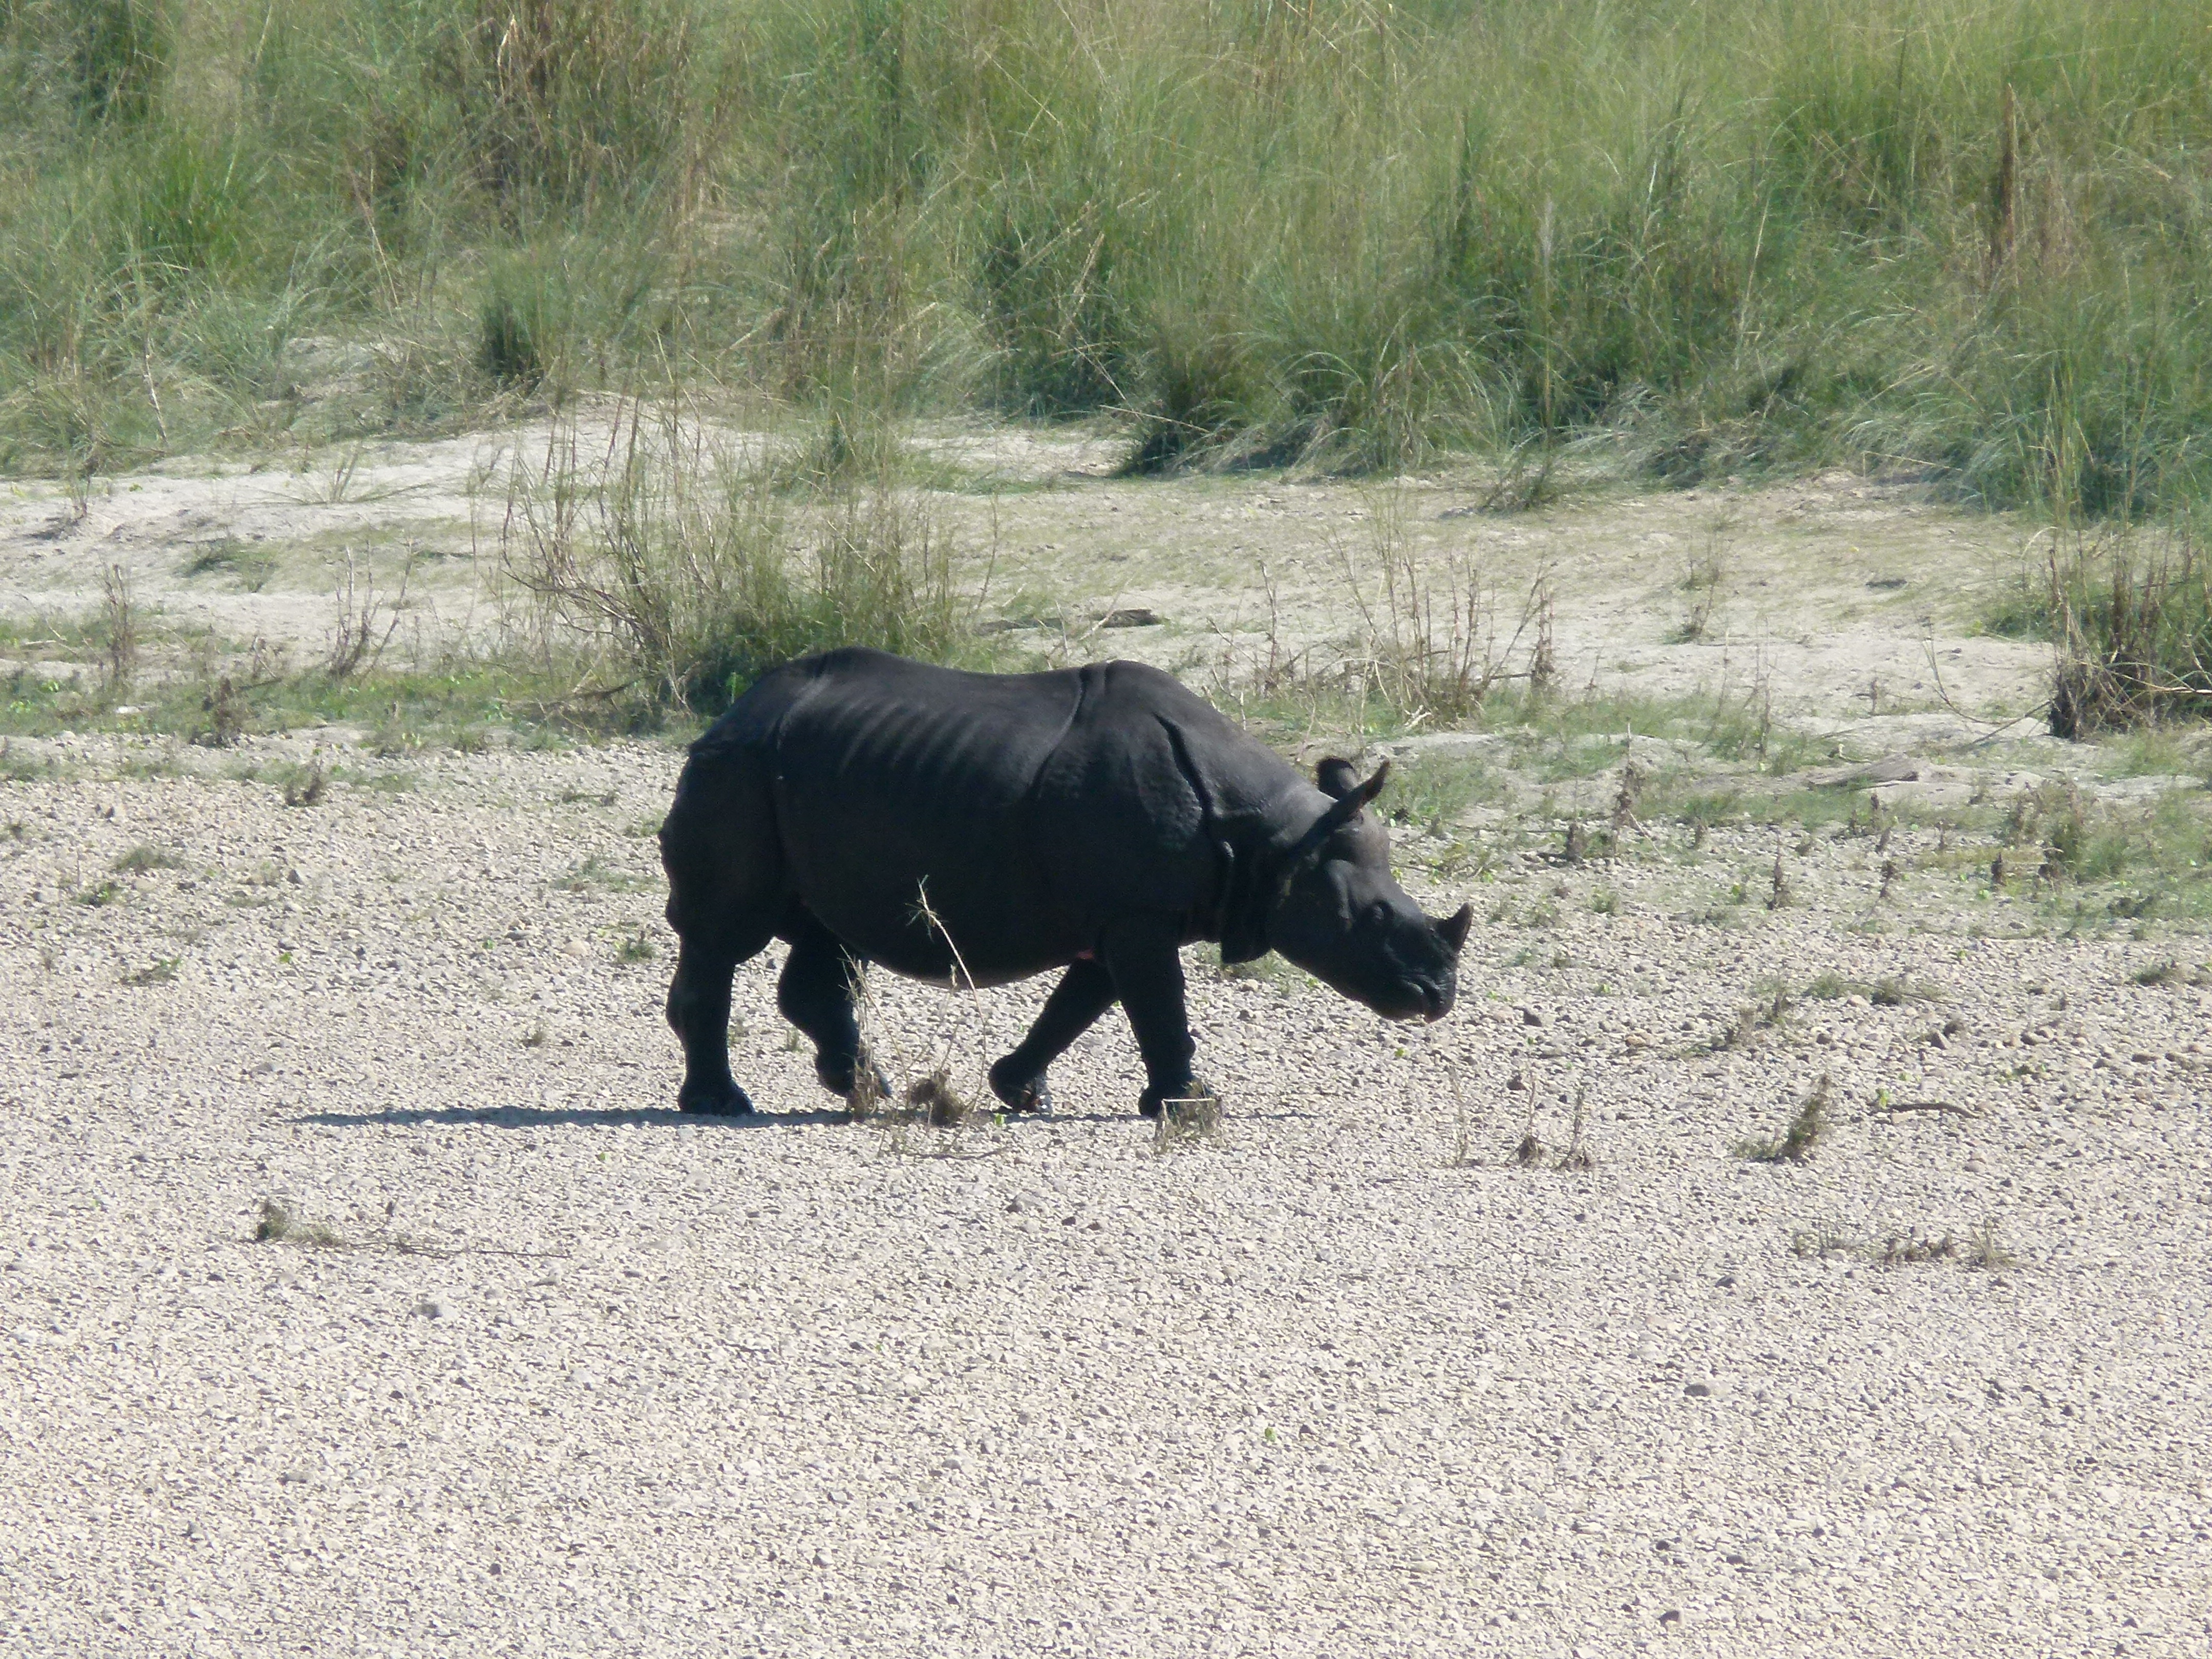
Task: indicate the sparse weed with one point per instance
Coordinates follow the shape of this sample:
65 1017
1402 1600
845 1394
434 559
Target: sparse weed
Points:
1980 1247
119 610
594 874
1578 1158
1797 1143
1187 1122
307 785
280 1224
139 860
1702 581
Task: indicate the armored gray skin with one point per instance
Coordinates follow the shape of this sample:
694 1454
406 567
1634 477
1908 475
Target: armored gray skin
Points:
1093 819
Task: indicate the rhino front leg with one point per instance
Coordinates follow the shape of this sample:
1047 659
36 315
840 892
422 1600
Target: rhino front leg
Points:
816 994
1147 974
1085 992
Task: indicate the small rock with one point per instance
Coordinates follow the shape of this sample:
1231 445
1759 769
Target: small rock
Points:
1894 769
1697 1390
431 1307
1534 1017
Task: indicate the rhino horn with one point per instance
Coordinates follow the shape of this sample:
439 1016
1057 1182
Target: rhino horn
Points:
1452 929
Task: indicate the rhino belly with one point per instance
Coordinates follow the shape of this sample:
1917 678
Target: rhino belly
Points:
910 888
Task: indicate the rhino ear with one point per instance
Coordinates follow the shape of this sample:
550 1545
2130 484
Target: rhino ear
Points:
1452 929
1336 778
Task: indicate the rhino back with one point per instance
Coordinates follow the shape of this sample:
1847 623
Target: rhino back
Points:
1030 808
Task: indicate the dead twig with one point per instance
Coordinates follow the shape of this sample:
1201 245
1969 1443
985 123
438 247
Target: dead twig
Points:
1879 1103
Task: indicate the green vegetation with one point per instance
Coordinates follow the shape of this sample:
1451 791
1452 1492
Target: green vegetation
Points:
439 703
139 860
1736 234
1797 1143
692 572
1885 993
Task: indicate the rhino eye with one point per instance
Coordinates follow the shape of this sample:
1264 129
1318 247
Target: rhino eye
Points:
1378 913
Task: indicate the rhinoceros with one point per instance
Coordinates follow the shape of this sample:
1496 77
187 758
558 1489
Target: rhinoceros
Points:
962 828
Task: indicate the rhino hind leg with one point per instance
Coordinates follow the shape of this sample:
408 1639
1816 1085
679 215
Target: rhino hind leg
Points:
725 894
816 994
1085 992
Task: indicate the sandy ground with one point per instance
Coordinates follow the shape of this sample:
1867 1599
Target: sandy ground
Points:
1836 594
571 1375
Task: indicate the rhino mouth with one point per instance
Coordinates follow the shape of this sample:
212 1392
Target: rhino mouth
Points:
1417 999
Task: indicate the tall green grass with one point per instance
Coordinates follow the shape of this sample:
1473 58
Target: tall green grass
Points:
1722 235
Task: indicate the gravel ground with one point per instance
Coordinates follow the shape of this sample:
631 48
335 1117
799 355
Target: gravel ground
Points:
576 1375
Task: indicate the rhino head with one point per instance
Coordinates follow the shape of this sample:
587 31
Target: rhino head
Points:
1341 916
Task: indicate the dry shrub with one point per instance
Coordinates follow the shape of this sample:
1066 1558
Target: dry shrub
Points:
682 572
1429 646
366 621
2131 624
1796 1144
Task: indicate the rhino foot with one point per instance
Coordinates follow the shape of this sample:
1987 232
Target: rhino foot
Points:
1031 1094
724 1100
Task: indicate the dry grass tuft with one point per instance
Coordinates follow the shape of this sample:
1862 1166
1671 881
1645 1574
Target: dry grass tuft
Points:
308 787
1189 1121
280 1226
1797 1143
935 1102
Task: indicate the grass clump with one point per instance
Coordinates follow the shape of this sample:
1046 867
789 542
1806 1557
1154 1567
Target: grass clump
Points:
933 1100
279 1223
685 574
1796 1144
1981 1246
1187 1122
2131 626
1891 991
139 860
